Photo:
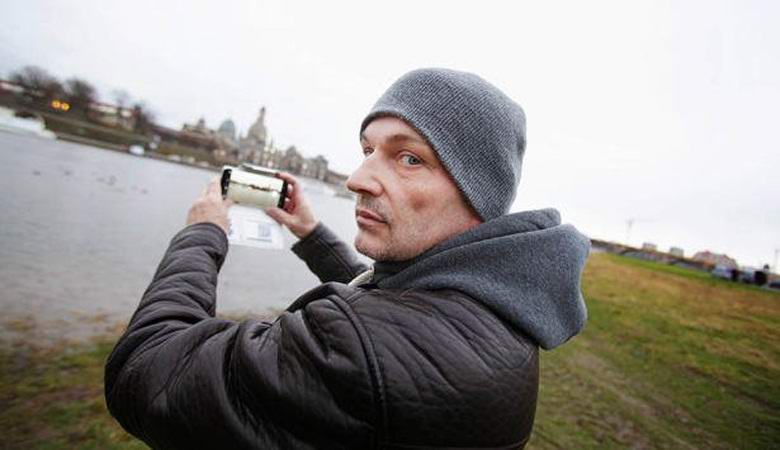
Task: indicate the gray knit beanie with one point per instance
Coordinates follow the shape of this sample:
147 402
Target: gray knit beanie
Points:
475 129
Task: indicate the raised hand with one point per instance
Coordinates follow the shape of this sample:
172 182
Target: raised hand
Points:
297 214
211 207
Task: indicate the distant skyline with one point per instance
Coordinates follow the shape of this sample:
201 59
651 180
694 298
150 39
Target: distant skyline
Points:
662 112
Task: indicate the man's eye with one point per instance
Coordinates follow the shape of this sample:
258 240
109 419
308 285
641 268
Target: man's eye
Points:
411 160
367 151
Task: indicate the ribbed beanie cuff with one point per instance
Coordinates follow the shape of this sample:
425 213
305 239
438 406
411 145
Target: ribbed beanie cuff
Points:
476 130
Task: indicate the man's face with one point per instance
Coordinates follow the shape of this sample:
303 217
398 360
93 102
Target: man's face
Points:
407 202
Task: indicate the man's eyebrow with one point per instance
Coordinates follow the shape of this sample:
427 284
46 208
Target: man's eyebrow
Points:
398 137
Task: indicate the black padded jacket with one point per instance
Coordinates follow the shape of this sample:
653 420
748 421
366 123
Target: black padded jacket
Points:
343 367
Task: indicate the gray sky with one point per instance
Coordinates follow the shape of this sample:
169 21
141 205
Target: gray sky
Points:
660 111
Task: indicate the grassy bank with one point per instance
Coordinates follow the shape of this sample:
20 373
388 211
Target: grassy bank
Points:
100 134
669 359
52 398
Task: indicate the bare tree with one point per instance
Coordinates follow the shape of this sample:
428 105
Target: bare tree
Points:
121 98
80 93
144 117
38 81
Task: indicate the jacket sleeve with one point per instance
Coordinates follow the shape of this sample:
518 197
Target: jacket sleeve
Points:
328 257
180 378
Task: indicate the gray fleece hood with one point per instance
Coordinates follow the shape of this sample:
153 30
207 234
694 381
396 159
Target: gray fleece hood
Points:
525 267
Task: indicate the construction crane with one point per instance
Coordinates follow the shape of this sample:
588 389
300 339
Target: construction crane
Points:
630 224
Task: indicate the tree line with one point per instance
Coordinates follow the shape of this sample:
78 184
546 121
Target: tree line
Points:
42 89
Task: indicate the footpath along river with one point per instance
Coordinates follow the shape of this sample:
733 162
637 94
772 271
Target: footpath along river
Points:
82 230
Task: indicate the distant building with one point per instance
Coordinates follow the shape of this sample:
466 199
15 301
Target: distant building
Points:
112 115
9 87
253 146
650 246
271 157
198 128
199 144
716 259
292 161
227 141
227 130
677 251
336 178
316 168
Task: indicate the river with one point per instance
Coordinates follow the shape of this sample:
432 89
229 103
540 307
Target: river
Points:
82 230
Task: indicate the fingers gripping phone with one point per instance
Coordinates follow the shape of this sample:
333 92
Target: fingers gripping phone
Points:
254 186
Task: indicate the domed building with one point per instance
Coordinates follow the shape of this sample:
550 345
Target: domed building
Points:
257 148
252 146
226 138
258 130
227 129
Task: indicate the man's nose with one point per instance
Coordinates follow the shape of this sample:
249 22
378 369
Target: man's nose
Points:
365 179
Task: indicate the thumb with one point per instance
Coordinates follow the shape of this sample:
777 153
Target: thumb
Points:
279 215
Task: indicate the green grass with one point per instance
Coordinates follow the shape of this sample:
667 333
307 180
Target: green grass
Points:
52 398
705 277
670 358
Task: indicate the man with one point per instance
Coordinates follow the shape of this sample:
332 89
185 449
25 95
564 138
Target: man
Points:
435 346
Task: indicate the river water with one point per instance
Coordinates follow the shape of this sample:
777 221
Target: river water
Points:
82 230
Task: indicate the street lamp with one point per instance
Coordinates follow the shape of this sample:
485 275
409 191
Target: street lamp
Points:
60 105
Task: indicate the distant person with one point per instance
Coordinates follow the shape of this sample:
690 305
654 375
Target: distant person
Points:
434 345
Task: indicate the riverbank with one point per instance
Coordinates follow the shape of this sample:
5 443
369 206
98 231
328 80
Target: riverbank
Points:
667 360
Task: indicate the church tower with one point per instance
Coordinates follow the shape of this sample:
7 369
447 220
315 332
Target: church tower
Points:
253 145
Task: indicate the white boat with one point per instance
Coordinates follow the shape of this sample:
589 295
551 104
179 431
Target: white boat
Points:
33 126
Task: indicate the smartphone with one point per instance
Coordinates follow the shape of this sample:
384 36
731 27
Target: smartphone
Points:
254 186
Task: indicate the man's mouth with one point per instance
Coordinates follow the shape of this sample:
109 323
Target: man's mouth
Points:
366 217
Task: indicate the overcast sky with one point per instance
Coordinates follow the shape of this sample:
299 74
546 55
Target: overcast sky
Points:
664 112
